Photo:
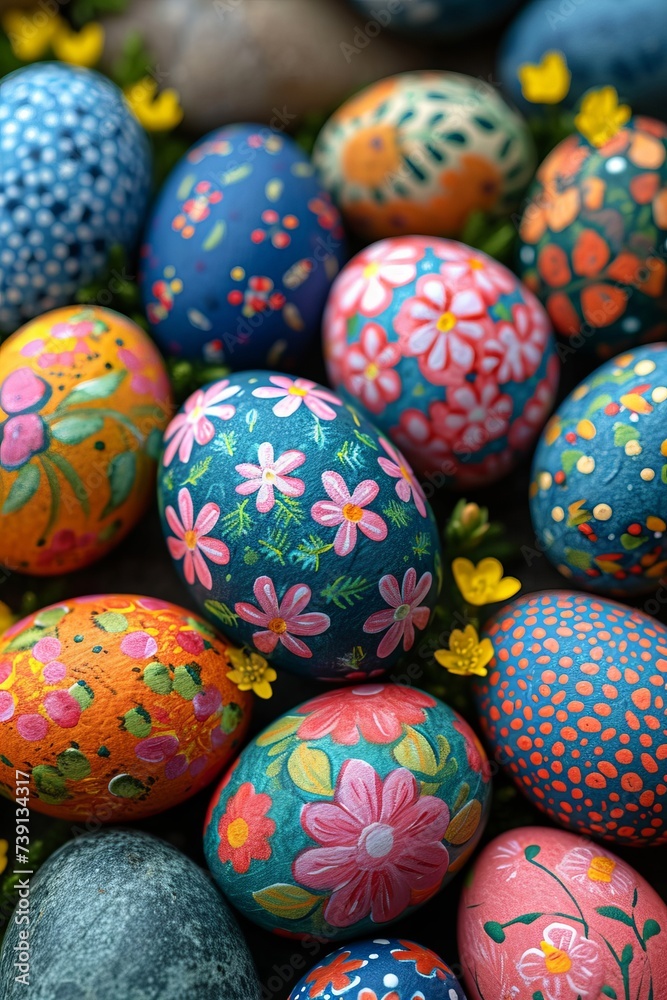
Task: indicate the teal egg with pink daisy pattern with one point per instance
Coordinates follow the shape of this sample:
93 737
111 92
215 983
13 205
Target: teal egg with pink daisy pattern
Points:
349 812
300 530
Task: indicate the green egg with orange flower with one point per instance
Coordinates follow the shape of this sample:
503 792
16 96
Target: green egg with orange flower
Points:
593 235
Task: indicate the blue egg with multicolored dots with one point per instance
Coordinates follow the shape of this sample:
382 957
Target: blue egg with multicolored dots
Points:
364 969
598 493
299 528
574 708
240 251
348 812
75 177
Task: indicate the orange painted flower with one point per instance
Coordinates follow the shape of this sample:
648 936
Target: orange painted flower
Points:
563 314
334 975
646 151
660 208
426 961
553 266
602 304
245 829
563 208
593 191
644 187
590 254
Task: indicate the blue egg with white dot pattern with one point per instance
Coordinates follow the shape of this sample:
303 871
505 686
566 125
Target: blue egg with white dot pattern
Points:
75 174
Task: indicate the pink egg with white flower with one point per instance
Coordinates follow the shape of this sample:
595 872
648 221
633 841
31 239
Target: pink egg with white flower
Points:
549 915
450 355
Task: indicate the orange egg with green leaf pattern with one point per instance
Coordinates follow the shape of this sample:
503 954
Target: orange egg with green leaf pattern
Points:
116 707
84 398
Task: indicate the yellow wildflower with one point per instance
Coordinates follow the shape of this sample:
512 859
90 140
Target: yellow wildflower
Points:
6 617
30 33
546 82
601 116
156 112
484 583
251 672
80 48
466 654
4 847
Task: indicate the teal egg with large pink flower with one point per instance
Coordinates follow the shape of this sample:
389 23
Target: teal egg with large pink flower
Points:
447 351
348 812
299 528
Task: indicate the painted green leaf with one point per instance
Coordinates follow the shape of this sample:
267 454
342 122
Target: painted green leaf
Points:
273 769
578 558
278 730
185 187
122 473
527 918
287 901
495 931
138 722
111 621
569 459
609 991
158 678
627 955
310 770
236 174
126 787
73 429
50 784
598 403
415 752
651 929
230 720
614 913
51 616
214 236
632 541
187 681
73 764
26 639
23 488
663 474
73 478
624 433
531 852
222 611
94 388
82 693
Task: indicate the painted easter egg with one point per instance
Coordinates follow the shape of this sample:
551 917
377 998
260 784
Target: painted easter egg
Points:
84 397
450 354
132 910
547 915
299 529
573 708
592 239
444 20
240 251
597 495
348 812
75 180
604 42
116 706
419 152
366 969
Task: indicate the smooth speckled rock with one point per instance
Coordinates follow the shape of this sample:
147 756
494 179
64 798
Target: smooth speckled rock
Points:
604 41
121 914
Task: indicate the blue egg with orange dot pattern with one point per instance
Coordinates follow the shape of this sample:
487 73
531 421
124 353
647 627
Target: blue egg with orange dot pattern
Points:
382 967
574 709
239 252
598 493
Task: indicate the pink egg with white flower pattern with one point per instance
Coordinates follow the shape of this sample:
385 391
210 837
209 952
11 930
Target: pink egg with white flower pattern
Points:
548 915
447 351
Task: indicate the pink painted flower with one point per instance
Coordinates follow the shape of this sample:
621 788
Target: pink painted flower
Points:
347 511
444 329
156 749
22 437
373 712
62 709
7 705
282 622
405 611
369 369
334 343
271 474
515 351
467 268
62 542
192 540
145 378
32 727
47 651
596 873
293 392
378 840
193 423
62 344
474 414
407 486
139 645
190 641
206 702
566 966
22 390
366 285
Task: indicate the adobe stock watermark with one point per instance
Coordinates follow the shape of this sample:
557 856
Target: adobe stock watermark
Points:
365 33
22 869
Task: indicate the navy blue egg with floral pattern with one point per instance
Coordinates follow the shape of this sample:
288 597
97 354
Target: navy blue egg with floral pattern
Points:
299 528
240 251
75 172
377 969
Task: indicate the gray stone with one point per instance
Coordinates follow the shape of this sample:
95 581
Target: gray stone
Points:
121 915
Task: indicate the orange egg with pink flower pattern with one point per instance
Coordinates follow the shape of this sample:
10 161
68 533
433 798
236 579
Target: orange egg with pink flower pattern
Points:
115 707
84 398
